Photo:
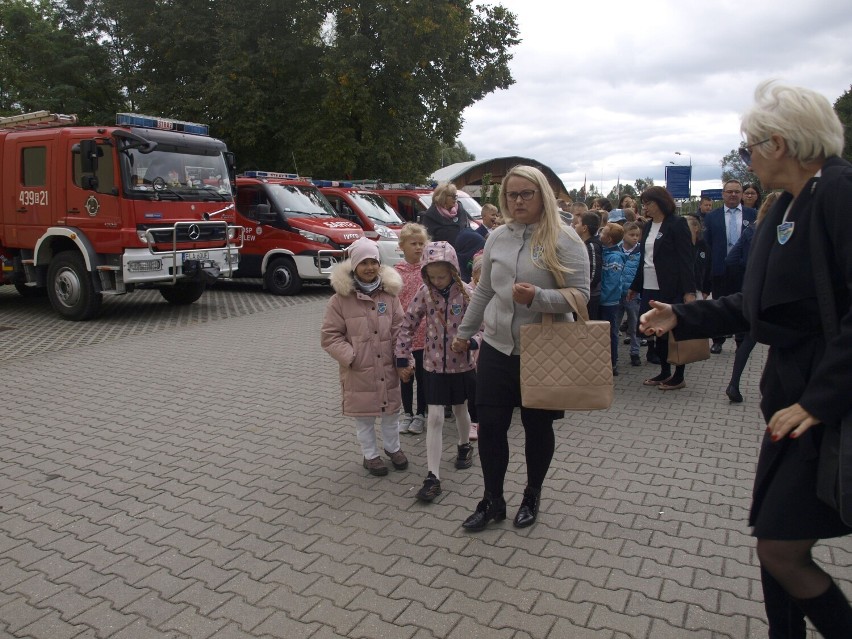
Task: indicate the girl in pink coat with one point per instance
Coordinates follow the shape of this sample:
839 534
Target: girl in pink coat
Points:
361 325
448 377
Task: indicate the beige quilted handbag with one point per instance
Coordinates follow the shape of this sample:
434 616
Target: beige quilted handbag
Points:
566 365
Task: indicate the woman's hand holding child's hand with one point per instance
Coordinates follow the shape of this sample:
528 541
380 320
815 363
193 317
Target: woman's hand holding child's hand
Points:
459 345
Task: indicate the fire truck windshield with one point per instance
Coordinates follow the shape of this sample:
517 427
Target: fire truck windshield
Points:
176 173
299 201
376 208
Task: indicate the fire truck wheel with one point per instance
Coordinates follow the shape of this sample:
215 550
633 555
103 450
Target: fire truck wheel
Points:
31 292
182 294
282 277
70 287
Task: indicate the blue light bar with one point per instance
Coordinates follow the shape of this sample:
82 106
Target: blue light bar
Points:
274 176
335 183
164 124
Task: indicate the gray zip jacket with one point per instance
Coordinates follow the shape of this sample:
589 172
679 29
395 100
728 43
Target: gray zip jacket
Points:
507 259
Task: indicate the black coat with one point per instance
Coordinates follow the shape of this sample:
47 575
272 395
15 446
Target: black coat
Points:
703 281
441 228
674 259
778 306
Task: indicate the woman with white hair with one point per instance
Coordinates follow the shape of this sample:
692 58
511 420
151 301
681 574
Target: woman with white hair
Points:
795 298
524 262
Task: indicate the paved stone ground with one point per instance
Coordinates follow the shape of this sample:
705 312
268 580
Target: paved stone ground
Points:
185 472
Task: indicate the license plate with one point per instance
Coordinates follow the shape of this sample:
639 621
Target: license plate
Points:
196 255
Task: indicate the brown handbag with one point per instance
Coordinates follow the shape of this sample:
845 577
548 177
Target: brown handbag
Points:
687 351
566 365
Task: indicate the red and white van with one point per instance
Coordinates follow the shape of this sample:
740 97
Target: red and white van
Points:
292 234
411 202
371 212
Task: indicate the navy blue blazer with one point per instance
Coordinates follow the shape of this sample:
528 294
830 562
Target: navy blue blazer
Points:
716 236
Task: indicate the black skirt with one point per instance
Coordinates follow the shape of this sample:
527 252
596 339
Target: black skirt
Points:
449 389
785 503
498 380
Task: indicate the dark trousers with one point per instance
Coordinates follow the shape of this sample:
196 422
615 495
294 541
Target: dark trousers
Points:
611 314
407 388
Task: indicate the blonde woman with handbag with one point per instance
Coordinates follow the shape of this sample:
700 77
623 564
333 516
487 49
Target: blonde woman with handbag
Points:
524 263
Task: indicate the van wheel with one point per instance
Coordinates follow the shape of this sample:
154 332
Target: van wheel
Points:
183 293
71 289
282 277
31 292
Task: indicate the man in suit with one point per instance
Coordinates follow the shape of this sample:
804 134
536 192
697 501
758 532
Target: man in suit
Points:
722 229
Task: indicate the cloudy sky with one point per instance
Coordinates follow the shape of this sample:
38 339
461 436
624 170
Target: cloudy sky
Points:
609 88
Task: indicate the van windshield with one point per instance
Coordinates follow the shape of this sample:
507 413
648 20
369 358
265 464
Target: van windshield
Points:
299 200
376 208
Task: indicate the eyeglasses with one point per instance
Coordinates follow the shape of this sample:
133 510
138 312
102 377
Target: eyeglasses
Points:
745 152
525 195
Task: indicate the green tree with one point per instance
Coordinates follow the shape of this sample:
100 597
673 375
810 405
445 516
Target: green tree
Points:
642 184
400 73
490 192
45 64
456 152
619 190
733 168
843 108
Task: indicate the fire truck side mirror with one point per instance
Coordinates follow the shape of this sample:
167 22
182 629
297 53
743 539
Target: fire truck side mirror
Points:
89 152
231 163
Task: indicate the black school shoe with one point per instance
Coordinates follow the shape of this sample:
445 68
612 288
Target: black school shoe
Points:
431 488
529 508
489 509
465 457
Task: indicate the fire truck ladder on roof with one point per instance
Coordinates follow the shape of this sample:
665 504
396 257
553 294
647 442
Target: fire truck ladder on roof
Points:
37 120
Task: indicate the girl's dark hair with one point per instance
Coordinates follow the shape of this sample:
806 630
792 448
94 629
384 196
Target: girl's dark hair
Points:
759 194
662 198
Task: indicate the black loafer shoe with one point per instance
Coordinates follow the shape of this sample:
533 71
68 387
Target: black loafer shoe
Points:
489 509
716 349
734 394
528 511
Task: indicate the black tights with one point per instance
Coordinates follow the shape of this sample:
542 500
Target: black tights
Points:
744 349
494 422
407 388
794 586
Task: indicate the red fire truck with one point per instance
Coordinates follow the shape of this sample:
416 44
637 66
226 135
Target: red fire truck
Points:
292 233
87 211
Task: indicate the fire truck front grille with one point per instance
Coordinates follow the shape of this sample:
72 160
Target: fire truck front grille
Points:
196 233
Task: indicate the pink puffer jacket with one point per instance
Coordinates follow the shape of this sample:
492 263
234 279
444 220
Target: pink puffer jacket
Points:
360 331
442 317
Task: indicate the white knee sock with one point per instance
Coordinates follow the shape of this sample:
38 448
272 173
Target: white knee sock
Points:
462 422
434 439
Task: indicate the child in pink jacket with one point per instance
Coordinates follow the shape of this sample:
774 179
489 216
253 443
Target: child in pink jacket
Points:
412 240
448 377
361 325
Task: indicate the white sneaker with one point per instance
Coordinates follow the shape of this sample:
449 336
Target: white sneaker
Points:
417 425
405 422
474 432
